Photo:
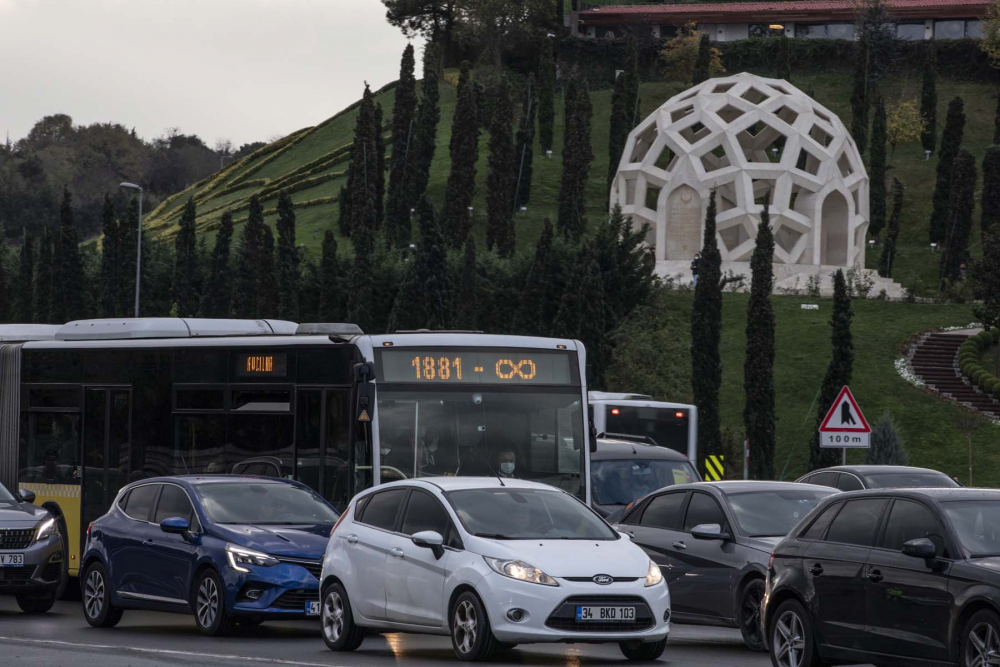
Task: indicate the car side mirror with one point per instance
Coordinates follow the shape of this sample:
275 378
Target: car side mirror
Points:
709 531
176 525
26 495
920 548
429 539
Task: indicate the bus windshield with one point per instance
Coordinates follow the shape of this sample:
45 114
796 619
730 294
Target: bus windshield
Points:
535 434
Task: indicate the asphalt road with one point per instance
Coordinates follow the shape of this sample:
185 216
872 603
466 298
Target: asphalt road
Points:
62 638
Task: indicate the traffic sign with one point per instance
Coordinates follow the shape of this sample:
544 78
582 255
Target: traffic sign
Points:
845 425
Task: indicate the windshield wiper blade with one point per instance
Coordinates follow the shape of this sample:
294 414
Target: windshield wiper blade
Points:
493 536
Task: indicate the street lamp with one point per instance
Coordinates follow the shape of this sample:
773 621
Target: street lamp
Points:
138 253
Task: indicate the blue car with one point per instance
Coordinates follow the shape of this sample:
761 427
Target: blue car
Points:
226 549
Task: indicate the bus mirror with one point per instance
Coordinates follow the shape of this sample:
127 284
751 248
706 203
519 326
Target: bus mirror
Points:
364 372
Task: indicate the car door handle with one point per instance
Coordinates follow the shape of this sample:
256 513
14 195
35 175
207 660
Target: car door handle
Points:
875 576
816 569
679 545
352 539
397 552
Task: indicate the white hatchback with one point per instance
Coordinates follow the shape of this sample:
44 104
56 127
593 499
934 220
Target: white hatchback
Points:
492 564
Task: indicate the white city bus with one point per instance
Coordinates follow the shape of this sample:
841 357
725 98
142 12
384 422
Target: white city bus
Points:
672 425
95 404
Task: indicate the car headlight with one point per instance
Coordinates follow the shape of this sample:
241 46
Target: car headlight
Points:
45 529
653 574
518 569
241 556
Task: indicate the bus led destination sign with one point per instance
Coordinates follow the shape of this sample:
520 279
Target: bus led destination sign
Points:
450 366
272 364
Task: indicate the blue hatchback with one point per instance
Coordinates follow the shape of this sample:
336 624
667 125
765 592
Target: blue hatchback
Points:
224 548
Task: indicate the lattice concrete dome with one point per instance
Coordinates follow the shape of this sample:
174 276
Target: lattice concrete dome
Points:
748 137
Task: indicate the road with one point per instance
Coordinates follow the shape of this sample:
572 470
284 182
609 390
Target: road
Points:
62 638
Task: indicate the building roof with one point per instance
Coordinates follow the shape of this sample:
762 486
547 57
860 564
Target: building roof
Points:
762 12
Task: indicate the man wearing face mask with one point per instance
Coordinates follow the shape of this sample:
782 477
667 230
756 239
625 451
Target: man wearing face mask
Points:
506 463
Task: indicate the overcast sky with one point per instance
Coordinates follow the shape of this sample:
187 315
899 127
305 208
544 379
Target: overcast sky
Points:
246 70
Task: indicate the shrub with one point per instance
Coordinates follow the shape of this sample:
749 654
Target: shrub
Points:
996 393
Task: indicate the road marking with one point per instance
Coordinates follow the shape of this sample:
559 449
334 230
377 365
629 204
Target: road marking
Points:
158 651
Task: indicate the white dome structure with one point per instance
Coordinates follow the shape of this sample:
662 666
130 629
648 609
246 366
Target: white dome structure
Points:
747 137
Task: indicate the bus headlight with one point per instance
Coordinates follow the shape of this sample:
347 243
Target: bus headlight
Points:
240 557
45 529
653 574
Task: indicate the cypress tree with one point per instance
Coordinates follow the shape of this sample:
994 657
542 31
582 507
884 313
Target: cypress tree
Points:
996 122
951 142
249 257
464 150
624 104
67 274
960 209
859 96
219 292
360 190
468 288
500 177
990 206
986 285
928 104
531 315
267 302
546 94
625 268
886 444
703 63
426 299
582 313
876 192
185 263
525 144
784 59
403 119
706 327
289 263
43 279
330 301
128 225
360 294
110 263
6 298
428 116
25 281
571 94
838 373
888 257
379 165
758 368
577 156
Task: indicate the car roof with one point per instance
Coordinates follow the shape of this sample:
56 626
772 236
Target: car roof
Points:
464 483
216 479
614 448
939 494
868 469
740 486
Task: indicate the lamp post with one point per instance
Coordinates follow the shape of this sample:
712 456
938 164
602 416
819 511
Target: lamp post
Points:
138 252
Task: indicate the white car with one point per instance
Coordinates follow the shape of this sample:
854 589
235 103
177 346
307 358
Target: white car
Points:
492 564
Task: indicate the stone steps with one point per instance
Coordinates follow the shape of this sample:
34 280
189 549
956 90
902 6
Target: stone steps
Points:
933 361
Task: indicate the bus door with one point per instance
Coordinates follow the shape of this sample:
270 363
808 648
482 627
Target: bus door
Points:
106 448
322 442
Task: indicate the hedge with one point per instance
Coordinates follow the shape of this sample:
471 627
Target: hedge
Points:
970 355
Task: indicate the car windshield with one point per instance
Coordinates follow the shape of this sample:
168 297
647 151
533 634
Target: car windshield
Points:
264 504
977 523
621 482
6 496
527 514
772 512
909 480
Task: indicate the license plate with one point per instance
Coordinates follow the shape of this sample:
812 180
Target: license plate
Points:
11 560
312 608
605 614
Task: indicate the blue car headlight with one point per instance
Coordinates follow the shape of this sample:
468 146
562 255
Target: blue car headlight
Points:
240 557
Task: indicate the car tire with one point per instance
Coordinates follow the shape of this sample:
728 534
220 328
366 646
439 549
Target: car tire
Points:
642 651
792 641
35 604
472 637
96 597
340 632
748 610
980 636
208 602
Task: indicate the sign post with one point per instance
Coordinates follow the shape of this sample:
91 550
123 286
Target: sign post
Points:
845 426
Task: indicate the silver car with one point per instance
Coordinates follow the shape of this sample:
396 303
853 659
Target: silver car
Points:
32 554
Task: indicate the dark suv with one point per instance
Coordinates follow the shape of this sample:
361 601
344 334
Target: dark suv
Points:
889 577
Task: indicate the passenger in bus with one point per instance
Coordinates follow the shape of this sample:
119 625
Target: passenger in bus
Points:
506 463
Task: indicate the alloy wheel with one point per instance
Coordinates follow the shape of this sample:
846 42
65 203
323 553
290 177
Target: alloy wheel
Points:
789 641
93 594
750 618
983 647
333 616
208 602
465 626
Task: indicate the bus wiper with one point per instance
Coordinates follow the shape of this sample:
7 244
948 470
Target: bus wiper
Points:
493 536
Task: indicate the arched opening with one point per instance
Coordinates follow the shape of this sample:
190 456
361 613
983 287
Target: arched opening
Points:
683 223
834 224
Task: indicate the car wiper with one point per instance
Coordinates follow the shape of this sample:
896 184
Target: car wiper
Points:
493 536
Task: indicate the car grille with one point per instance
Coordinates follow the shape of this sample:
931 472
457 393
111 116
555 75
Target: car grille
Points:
296 599
16 576
615 580
564 617
315 567
16 538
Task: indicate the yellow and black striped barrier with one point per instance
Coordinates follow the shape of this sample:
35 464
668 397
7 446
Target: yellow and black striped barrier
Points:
714 468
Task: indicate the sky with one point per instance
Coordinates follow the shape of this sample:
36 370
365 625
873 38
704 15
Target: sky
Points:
244 70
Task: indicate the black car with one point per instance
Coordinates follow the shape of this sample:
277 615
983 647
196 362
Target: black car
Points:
856 478
903 576
623 470
712 541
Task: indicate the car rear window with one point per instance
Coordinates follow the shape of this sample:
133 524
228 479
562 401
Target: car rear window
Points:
140 501
909 480
665 511
856 523
381 510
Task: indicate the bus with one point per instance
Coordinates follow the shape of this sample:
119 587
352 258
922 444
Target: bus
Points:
672 425
90 406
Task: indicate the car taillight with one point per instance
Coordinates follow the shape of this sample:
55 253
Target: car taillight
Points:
338 523
89 526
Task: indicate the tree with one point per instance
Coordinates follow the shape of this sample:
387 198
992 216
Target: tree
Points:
186 263
547 93
990 42
128 241
582 313
495 27
249 256
67 268
996 122
577 156
838 373
525 144
267 301
626 270
397 217
903 124
500 177
456 218
960 209
928 104
876 36
681 53
330 302
758 368
110 263
426 297
219 289
468 288
360 191
289 262
425 134
6 299
888 257
703 64
25 282
531 314
886 443
784 59
361 293
990 206
379 166
951 142
876 192
624 105
706 327
435 20
986 281
43 279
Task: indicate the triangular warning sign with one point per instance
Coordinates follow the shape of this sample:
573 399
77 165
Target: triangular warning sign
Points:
363 417
845 416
